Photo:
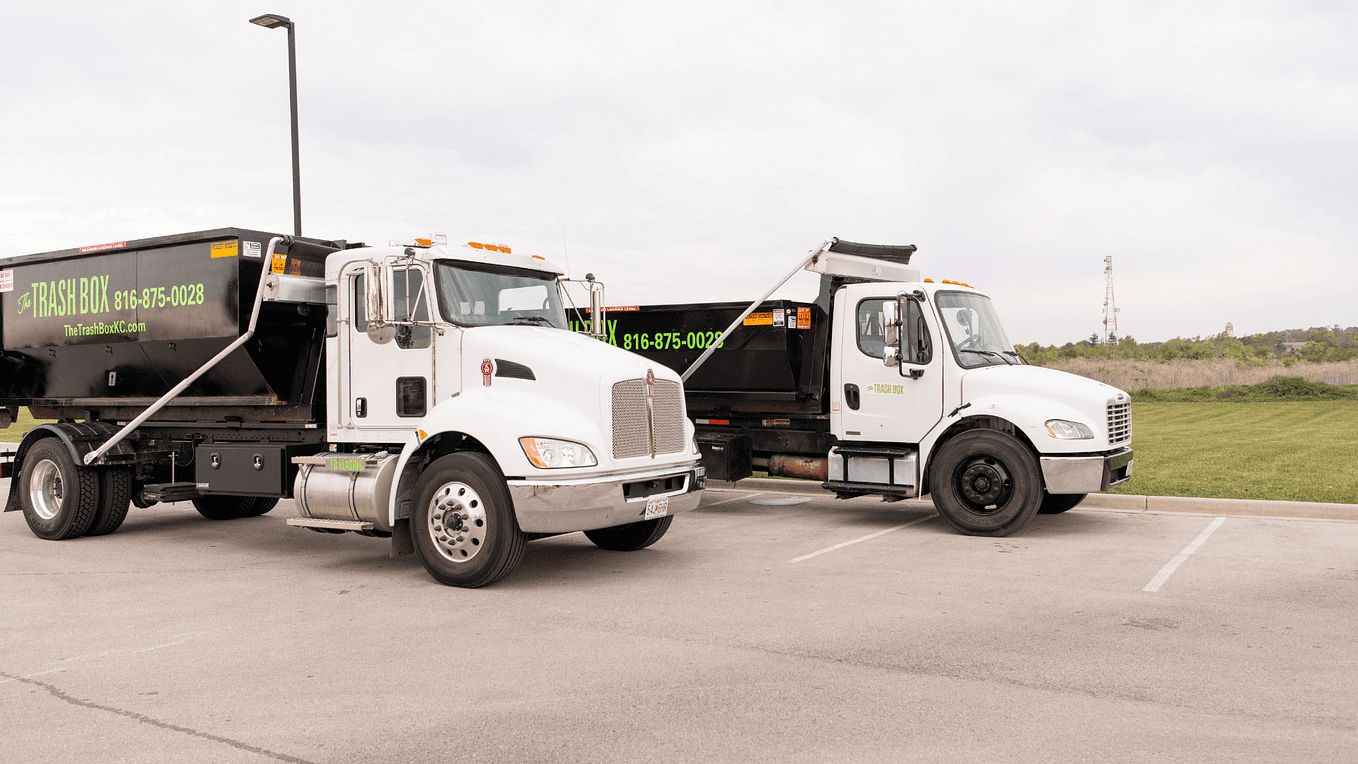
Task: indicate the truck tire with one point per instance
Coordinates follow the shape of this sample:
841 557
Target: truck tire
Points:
463 523
59 497
630 537
261 505
115 496
986 483
221 507
1056 503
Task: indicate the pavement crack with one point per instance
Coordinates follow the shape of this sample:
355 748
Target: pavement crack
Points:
59 694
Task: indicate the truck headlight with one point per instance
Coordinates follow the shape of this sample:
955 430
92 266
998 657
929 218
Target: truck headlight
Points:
1063 430
553 454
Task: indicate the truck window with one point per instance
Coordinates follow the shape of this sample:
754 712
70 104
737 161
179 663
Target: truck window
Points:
974 330
411 301
870 339
917 346
476 294
359 310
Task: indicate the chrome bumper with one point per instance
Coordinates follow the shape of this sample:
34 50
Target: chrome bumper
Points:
563 506
1086 474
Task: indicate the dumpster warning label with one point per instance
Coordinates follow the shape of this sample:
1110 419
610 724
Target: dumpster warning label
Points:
225 249
7 280
758 319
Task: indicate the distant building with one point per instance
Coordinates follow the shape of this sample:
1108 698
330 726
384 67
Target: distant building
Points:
1230 330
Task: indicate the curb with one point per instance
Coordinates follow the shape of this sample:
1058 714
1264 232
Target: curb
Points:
1238 507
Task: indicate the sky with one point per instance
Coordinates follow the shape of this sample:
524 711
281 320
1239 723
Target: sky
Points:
696 151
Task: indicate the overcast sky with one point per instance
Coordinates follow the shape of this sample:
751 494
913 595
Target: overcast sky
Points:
694 151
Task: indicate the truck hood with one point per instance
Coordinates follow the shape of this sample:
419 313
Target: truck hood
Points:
1029 396
527 381
553 356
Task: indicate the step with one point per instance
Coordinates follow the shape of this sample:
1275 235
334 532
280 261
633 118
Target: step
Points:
170 492
339 525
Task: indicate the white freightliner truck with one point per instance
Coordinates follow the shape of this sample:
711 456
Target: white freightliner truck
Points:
426 393
887 385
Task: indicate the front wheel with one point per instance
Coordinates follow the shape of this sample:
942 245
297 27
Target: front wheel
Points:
986 483
630 537
59 497
463 522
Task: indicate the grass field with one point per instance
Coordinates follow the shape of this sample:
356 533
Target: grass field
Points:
1282 451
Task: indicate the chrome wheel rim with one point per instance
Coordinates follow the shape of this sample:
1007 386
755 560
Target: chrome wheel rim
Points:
46 491
457 522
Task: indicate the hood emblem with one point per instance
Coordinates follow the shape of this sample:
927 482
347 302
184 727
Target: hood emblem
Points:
487 369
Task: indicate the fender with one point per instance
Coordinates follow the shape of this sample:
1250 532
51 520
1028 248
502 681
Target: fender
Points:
493 422
80 438
978 421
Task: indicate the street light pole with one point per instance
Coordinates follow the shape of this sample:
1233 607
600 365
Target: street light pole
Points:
274 21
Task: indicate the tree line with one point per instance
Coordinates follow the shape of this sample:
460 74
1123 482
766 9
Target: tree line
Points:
1314 345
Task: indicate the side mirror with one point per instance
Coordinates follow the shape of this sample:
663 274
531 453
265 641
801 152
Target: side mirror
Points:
380 329
596 308
891 332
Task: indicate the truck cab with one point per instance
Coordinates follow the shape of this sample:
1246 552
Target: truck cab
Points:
456 382
927 395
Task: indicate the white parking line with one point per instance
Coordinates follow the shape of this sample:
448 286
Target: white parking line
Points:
1168 570
865 538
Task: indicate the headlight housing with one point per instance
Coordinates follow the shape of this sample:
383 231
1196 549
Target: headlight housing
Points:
549 454
1064 430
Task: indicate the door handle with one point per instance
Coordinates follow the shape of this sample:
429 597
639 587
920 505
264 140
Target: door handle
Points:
851 396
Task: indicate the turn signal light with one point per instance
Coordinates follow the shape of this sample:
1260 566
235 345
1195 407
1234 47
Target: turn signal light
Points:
491 247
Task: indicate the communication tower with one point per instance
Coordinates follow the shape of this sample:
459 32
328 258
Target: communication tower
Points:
1110 308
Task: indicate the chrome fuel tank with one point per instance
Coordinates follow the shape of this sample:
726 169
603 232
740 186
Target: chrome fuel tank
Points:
350 487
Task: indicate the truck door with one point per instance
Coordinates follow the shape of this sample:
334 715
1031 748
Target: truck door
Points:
870 400
391 378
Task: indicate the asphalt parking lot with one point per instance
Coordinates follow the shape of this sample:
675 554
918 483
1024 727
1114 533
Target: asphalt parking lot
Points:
764 627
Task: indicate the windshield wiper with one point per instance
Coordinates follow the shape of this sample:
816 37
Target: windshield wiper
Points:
532 320
986 352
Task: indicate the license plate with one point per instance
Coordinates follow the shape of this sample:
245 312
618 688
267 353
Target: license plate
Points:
657 506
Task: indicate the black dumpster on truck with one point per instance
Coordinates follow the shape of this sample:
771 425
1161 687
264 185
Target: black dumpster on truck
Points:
103 331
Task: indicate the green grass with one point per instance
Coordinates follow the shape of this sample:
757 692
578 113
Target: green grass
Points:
1280 450
15 432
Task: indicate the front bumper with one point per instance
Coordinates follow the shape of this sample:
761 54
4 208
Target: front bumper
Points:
564 506
1086 474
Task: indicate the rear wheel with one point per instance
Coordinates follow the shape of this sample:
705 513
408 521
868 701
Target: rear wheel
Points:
219 507
115 496
463 524
1056 503
59 497
630 537
262 505
986 483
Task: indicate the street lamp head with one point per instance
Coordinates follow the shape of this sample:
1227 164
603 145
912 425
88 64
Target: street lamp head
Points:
272 21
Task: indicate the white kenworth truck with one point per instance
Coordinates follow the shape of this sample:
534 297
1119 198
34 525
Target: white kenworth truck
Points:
426 393
888 385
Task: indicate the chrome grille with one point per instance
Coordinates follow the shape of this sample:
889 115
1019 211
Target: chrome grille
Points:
631 435
1119 422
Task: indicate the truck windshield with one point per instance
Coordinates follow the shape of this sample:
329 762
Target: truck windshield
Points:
974 330
472 294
